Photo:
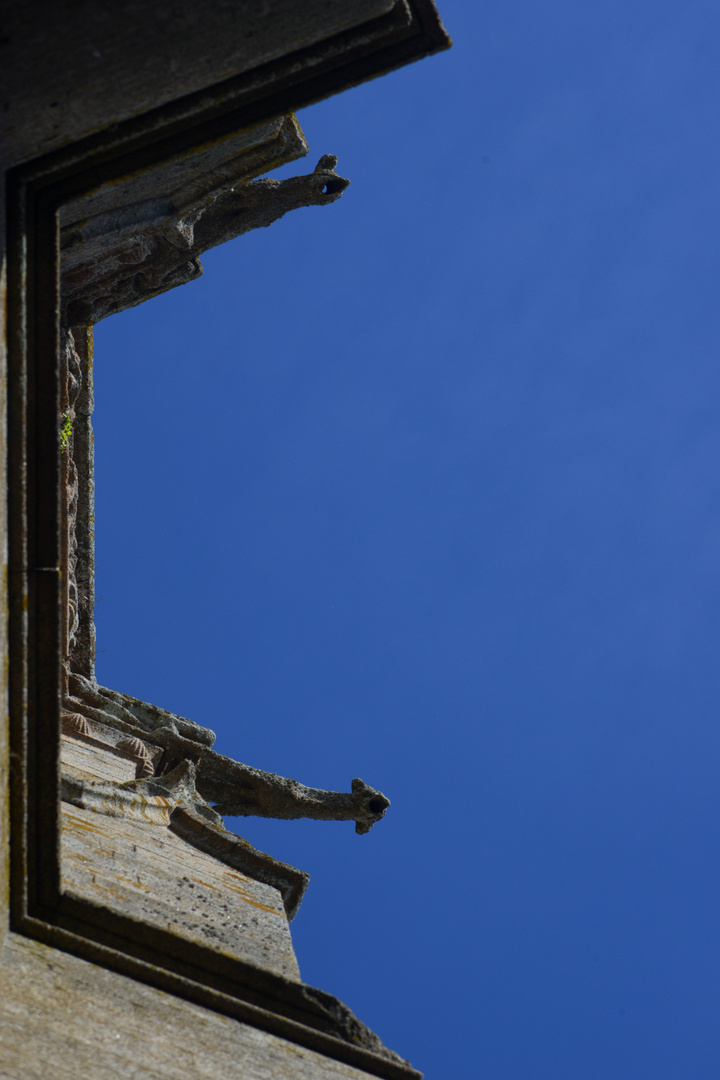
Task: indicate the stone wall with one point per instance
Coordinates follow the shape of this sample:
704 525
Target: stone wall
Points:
203 92
64 1018
131 861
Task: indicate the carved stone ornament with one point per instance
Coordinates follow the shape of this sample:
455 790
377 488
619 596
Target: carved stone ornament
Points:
119 257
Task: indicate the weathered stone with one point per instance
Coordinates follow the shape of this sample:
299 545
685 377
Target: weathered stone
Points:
124 59
79 525
123 256
142 869
80 761
238 789
233 788
130 125
102 772
64 1018
82 737
126 713
151 850
189 177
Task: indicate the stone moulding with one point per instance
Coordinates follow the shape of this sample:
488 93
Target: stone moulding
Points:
36 193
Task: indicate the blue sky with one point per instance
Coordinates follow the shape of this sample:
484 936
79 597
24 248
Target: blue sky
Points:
422 487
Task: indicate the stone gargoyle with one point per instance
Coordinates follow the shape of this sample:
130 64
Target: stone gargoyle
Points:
230 787
116 259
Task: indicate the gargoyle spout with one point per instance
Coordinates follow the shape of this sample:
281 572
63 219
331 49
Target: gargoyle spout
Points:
120 257
235 789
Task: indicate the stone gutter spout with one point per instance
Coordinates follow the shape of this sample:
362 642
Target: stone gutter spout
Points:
239 790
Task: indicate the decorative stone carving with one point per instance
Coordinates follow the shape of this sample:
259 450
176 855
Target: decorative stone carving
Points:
238 789
233 788
122 256
78 540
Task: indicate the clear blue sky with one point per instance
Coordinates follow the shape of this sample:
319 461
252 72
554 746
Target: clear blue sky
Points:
422 487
